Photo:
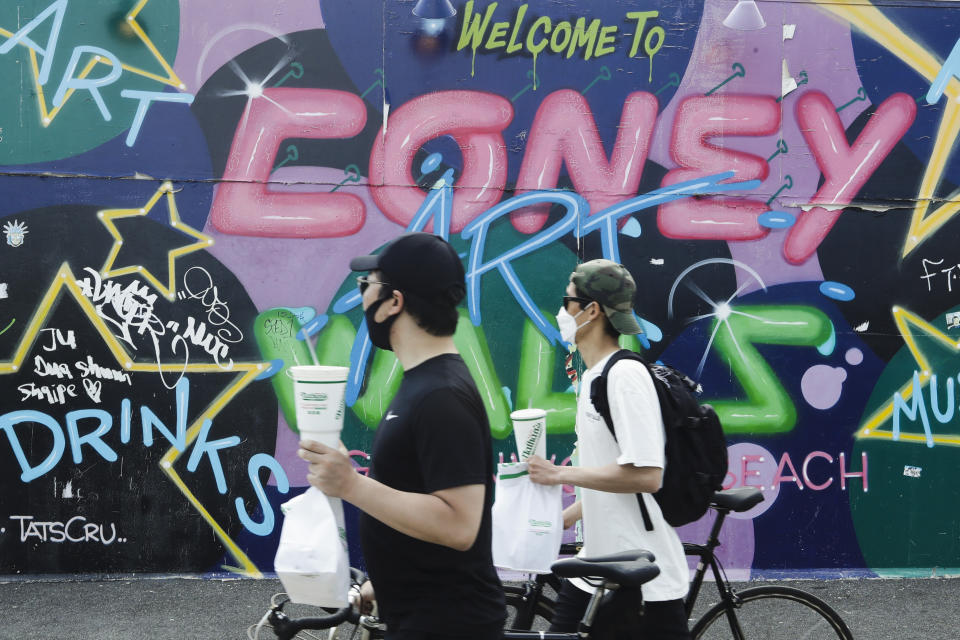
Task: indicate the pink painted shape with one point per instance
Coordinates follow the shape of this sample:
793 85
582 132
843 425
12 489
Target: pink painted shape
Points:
752 465
748 470
816 486
244 205
699 120
475 120
823 49
281 272
785 463
845 168
210 37
862 474
359 458
564 131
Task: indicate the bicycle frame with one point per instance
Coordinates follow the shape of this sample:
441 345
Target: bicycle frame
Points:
531 594
531 591
582 633
709 559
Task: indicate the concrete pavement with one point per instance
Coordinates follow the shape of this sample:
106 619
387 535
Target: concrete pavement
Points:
201 609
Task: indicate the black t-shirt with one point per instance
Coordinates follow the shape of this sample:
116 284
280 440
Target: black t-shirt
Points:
434 436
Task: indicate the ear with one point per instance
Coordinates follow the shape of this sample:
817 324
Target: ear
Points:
396 303
594 311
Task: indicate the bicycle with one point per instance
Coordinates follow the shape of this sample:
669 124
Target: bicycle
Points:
529 599
629 569
769 612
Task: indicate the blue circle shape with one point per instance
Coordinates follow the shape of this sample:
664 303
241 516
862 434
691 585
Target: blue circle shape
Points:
837 291
776 220
431 162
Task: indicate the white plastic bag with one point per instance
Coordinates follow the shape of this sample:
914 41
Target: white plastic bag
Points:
311 559
527 521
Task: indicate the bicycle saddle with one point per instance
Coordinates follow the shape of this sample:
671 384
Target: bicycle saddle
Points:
737 500
623 556
632 573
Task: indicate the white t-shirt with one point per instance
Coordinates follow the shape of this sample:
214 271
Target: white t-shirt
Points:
612 521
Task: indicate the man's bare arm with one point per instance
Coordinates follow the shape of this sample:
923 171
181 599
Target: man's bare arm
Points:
571 514
613 478
450 517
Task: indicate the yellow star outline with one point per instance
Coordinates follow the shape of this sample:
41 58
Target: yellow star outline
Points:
47 116
877 26
905 321
107 216
244 373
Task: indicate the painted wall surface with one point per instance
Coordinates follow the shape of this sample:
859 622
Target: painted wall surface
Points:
183 184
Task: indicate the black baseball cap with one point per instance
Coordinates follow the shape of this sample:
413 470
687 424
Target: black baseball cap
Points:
419 263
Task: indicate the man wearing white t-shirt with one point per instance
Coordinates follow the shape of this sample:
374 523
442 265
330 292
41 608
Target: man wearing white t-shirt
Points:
597 309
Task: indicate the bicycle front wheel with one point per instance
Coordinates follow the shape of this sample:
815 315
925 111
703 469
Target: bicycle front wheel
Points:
772 613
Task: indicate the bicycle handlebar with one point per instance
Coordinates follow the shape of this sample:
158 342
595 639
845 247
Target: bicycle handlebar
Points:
286 627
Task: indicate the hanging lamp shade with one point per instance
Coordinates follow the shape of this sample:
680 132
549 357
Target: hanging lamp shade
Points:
434 9
745 17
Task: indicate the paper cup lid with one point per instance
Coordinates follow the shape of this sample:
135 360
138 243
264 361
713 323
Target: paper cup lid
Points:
319 373
528 414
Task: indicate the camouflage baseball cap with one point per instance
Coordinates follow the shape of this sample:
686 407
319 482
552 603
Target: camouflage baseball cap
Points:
611 285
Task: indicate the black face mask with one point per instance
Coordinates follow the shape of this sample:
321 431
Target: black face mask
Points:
379 331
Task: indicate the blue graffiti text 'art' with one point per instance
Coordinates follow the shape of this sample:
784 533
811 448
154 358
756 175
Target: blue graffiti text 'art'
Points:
145 98
837 291
651 333
776 220
576 208
607 219
632 228
438 206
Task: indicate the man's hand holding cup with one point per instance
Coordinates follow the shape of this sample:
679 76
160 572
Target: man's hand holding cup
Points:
330 471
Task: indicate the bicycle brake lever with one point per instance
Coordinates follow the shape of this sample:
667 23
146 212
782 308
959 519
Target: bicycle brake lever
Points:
373 623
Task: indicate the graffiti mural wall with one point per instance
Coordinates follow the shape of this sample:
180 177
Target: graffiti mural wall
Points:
184 182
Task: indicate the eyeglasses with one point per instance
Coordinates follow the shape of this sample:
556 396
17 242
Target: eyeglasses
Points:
583 301
364 281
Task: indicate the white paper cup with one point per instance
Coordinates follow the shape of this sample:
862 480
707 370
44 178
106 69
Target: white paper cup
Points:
318 396
530 432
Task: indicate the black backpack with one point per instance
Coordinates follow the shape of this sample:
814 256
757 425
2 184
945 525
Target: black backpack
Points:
696 449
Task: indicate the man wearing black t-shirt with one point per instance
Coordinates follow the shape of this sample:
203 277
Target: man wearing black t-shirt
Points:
425 528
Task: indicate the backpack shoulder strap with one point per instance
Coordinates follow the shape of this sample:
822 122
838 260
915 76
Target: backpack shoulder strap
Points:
598 389
601 402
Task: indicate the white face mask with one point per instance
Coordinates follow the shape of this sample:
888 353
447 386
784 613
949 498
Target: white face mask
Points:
568 326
